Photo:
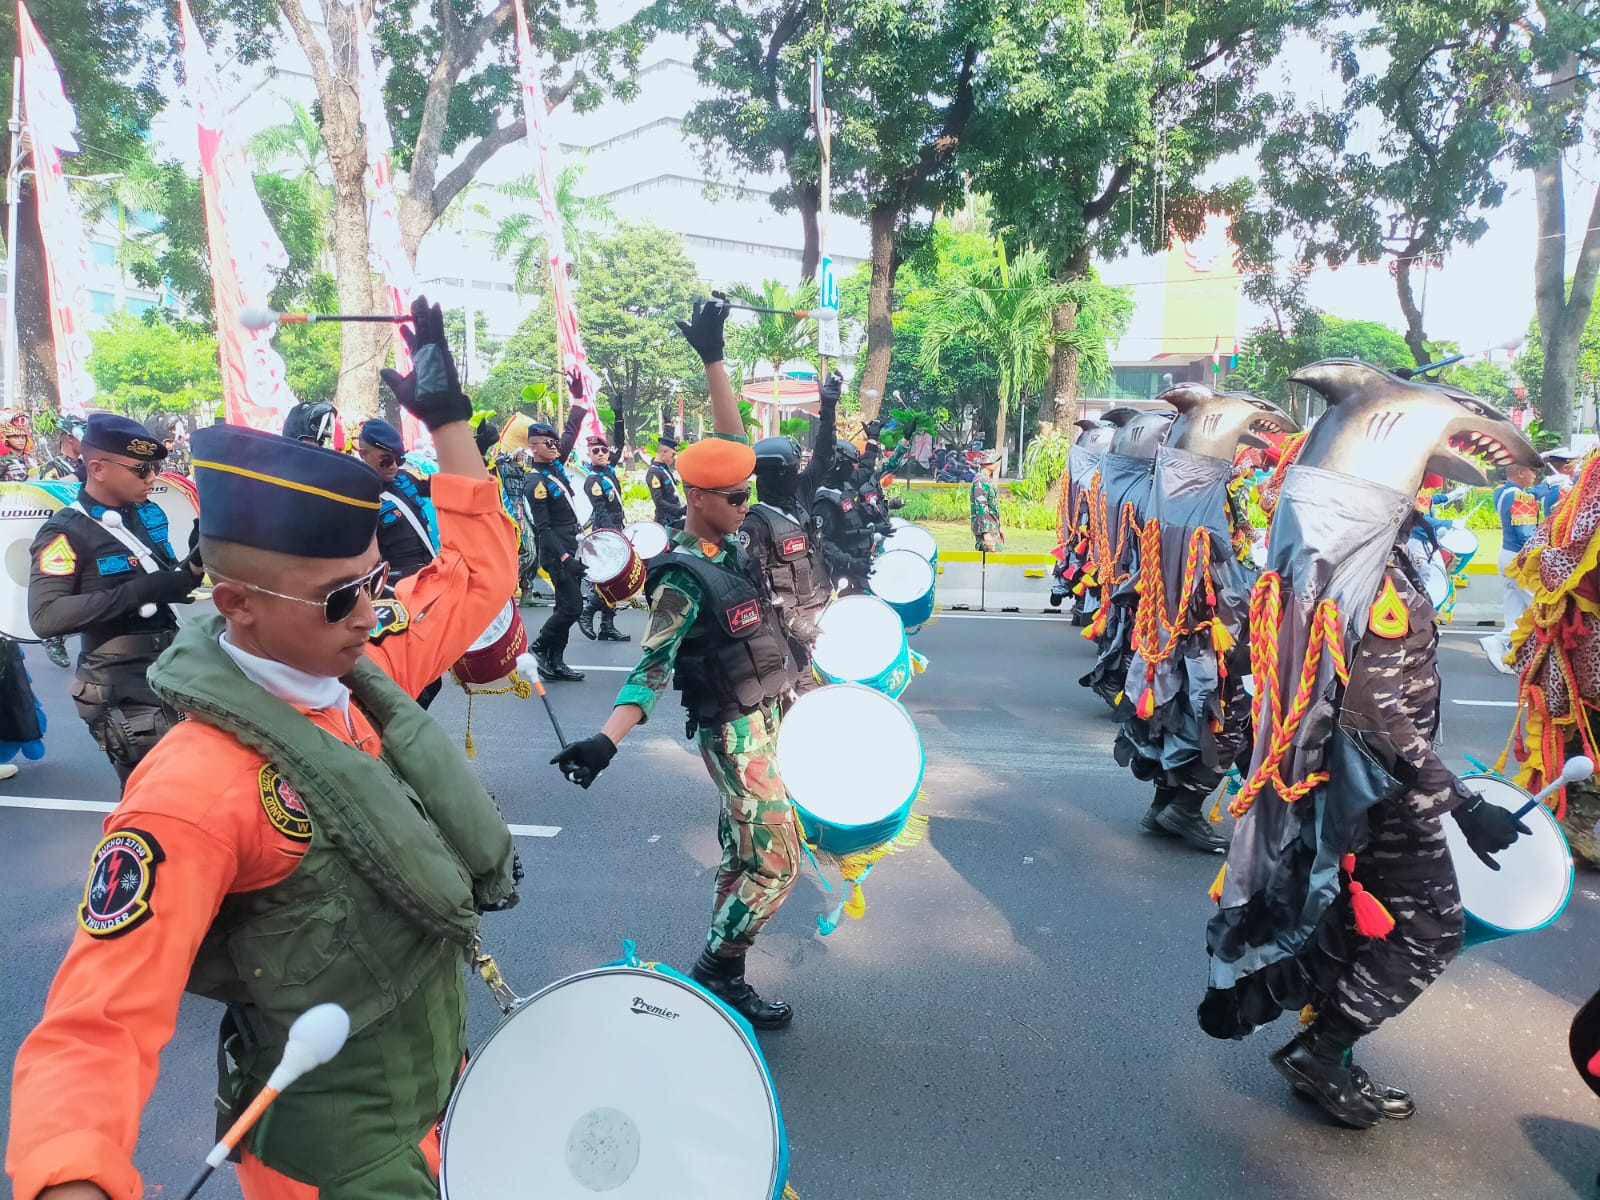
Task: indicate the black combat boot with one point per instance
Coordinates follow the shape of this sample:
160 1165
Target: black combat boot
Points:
1394 1103
1186 822
1158 805
563 673
586 618
723 977
1317 1064
608 626
546 658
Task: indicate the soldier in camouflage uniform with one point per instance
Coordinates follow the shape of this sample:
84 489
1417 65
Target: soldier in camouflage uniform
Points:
986 532
716 637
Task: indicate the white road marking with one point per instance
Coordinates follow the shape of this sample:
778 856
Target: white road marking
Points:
946 614
1486 703
585 667
104 806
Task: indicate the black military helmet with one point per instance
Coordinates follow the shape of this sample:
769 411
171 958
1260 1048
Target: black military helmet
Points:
776 454
846 458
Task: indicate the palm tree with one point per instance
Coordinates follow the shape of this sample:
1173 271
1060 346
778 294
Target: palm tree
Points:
773 337
1001 310
521 236
295 150
126 199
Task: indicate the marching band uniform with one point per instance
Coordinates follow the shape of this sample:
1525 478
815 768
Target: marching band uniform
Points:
605 498
844 525
96 579
549 503
314 839
1343 641
407 540
662 481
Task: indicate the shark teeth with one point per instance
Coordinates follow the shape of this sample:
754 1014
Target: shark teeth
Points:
1481 445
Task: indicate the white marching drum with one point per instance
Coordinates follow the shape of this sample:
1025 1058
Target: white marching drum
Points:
862 641
179 502
1534 882
648 538
915 539
904 580
623 1082
23 508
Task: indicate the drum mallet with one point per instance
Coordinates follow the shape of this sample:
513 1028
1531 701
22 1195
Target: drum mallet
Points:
112 519
265 318
316 1036
529 666
1577 769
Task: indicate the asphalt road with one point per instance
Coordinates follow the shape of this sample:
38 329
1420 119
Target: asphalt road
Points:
1013 1017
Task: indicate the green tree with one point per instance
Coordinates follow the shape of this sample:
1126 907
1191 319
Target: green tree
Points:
142 367
294 150
772 337
1370 341
1531 365
520 236
1486 379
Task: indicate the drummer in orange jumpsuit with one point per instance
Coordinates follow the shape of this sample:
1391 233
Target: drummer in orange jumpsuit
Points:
213 822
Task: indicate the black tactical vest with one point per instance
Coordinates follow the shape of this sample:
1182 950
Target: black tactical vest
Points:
796 565
851 529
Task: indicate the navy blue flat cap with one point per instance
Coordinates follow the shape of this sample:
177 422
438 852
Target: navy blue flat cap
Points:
119 435
275 493
382 435
542 430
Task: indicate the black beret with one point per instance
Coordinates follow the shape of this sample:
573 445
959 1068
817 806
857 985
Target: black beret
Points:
275 493
667 440
383 435
119 435
540 429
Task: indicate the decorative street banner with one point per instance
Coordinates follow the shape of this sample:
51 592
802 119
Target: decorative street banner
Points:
385 246
569 341
245 250
51 126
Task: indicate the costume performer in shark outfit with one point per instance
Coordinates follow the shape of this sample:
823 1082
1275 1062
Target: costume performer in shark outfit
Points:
1073 575
1187 713
1115 520
1338 890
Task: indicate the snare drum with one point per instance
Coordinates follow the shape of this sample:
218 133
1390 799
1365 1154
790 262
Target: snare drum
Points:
862 641
1534 882
904 580
852 761
494 655
626 1082
612 565
648 538
1437 580
1459 545
24 507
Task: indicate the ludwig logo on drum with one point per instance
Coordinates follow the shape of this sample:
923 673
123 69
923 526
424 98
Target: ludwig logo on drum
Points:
650 1010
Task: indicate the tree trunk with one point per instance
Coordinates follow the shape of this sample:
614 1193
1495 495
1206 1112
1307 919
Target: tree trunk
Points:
36 349
1416 339
1062 385
881 222
810 231
1000 429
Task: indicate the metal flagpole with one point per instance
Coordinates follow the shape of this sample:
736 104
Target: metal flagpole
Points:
828 346
13 199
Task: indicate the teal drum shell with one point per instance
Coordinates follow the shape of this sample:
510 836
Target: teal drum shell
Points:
850 801
644 1085
863 641
904 580
64 490
1531 889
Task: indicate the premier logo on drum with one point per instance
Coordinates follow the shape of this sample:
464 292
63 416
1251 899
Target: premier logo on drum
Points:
650 1010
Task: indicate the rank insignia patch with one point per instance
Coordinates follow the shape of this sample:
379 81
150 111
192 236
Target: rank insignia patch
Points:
540 492
283 806
57 558
655 482
392 618
1389 617
122 875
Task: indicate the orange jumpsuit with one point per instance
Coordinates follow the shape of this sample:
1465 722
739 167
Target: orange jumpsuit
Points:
115 999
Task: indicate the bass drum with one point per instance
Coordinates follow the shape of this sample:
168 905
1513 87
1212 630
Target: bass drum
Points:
176 497
23 508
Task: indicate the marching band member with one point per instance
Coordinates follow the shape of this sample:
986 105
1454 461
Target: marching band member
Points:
104 569
406 537
716 636
605 498
549 503
847 529
1338 891
663 482
17 465
1518 507
307 835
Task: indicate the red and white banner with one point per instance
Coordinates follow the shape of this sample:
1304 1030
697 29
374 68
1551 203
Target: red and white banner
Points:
569 341
245 250
386 248
51 124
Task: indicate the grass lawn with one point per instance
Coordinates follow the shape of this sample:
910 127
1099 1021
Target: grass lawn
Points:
957 535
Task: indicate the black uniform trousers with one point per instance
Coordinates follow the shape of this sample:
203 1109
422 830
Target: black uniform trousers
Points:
125 718
567 579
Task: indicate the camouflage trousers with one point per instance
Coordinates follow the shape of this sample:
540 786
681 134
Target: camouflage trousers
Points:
760 841
1382 976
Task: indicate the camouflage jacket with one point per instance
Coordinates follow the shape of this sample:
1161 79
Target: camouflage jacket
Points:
986 514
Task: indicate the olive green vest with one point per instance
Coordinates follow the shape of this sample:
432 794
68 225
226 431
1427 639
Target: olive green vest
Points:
405 851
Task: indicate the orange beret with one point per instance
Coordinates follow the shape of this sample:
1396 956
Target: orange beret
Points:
716 462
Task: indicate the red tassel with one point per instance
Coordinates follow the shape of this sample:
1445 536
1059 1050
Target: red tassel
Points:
1147 704
1372 919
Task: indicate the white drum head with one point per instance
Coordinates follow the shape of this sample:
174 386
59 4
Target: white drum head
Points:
648 538
915 539
497 629
1437 580
862 637
23 508
618 1082
1460 542
179 510
581 504
1535 877
849 755
605 554
901 576
898 522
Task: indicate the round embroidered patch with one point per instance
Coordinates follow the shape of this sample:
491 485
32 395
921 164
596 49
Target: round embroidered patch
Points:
392 618
283 806
122 875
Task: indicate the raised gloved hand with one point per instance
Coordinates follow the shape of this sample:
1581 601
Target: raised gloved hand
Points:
581 761
874 428
1488 828
575 383
703 330
830 389
432 392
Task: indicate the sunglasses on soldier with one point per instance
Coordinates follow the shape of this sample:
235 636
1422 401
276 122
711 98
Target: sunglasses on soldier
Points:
337 604
737 497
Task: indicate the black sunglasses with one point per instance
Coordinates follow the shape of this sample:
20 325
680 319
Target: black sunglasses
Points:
737 497
143 470
337 604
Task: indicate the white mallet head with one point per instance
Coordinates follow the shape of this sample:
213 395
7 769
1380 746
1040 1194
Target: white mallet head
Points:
257 318
527 666
111 519
316 1036
1578 768
147 610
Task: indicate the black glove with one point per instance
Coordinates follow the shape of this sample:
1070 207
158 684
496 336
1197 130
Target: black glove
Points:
167 587
1488 828
575 383
703 330
581 761
194 559
897 502
911 426
830 389
874 428
432 392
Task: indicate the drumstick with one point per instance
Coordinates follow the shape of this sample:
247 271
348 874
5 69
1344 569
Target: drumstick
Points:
316 1036
262 318
1577 768
529 666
